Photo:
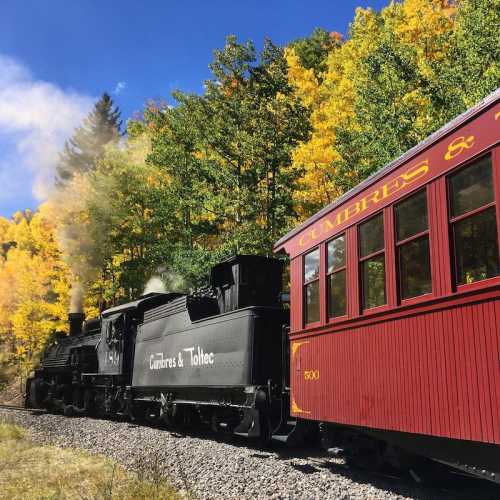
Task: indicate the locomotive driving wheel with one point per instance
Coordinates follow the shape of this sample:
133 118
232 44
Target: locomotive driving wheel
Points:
266 430
34 393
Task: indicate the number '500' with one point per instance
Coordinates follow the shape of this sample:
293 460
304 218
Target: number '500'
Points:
311 375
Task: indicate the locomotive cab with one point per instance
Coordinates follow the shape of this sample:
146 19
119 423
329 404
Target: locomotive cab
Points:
118 330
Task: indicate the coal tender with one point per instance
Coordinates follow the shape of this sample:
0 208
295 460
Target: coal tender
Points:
217 357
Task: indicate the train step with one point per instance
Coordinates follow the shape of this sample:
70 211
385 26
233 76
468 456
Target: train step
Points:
292 433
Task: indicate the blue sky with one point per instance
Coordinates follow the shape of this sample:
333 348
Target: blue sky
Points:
57 56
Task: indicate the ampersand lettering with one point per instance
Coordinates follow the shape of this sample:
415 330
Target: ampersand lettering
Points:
458 145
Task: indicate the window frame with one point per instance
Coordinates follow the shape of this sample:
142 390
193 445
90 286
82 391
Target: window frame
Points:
332 319
451 221
398 244
305 283
382 307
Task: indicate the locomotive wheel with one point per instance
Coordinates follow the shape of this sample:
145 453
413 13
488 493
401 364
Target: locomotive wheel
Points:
34 396
183 418
76 397
266 431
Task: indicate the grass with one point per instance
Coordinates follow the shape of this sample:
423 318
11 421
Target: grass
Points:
31 471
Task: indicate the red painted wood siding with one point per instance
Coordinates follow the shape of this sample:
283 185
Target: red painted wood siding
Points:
435 373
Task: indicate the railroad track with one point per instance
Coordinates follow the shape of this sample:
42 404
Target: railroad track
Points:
21 408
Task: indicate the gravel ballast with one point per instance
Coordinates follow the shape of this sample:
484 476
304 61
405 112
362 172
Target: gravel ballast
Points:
212 467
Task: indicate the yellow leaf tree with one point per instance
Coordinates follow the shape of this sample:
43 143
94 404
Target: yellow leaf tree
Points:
332 94
34 292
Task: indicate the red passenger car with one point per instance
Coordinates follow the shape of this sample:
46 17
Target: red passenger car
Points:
395 299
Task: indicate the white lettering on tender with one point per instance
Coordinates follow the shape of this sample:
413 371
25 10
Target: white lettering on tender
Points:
197 357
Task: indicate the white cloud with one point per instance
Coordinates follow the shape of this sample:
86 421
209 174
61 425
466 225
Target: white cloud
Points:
120 87
36 117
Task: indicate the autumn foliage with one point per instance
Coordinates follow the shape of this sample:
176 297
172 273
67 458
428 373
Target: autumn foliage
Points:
34 278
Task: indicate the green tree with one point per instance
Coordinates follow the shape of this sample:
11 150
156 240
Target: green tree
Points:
314 49
387 107
471 69
429 62
193 211
81 152
243 130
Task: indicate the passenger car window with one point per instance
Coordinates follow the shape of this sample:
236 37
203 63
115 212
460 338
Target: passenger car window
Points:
473 222
336 276
471 187
371 236
412 242
311 286
372 262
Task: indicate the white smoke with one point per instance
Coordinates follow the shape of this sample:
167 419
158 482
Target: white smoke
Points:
155 284
36 117
77 293
166 281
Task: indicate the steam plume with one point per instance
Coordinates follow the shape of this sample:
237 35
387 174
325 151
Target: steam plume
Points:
155 284
166 281
77 294
81 252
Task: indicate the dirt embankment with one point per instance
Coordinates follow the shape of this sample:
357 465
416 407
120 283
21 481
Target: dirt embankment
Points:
13 392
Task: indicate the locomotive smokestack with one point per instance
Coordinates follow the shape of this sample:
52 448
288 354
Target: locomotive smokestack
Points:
75 323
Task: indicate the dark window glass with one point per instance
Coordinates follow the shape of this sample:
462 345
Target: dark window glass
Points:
415 268
311 286
311 266
412 231
411 216
336 253
371 250
471 187
373 279
476 247
337 305
312 301
371 236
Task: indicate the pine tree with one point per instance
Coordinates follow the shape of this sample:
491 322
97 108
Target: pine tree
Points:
81 152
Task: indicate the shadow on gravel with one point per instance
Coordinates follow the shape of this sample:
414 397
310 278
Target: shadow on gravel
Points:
449 486
260 455
305 468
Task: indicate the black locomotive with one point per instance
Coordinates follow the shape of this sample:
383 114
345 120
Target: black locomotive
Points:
218 356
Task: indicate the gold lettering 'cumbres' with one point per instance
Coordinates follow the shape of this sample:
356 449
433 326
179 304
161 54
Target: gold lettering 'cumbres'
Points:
372 199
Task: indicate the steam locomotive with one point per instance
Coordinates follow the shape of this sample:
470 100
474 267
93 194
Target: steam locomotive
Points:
216 357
